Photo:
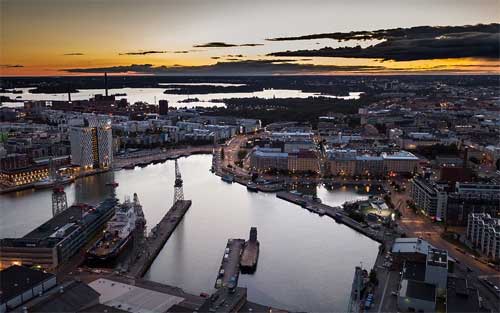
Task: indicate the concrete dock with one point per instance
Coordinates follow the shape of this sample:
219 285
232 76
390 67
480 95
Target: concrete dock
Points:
229 270
159 236
337 213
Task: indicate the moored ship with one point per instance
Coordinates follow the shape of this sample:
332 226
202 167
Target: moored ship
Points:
250 255
118 235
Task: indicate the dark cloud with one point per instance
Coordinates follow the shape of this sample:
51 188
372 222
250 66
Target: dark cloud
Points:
410 33
408 44
247 67
218 44
215 58
143 52
73 54
11 65
251 45
182 51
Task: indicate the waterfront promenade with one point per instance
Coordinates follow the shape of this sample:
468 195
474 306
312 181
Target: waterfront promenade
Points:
337 213
144 157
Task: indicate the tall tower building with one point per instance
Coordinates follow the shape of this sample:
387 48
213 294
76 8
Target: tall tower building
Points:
163 110
92 144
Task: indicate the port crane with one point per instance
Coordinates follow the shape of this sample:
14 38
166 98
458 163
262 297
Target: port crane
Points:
59 200
178 190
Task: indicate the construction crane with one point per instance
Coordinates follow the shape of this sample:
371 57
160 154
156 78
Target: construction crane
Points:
59 200
178 190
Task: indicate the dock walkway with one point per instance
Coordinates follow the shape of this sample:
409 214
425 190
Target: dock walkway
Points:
160 234
337 213
229 270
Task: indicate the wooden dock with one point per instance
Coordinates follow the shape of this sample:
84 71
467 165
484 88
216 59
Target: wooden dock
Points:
159 236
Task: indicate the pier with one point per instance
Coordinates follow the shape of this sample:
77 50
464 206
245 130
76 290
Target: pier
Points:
229 270
337 213
159 236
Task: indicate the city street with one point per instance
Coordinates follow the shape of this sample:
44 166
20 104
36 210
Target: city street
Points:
420 226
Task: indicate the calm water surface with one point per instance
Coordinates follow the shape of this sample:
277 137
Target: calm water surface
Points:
306 262
153 95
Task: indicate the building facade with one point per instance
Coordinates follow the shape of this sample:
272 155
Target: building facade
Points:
483 232
92 144
430 198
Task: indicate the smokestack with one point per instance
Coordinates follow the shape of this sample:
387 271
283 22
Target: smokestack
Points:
106 83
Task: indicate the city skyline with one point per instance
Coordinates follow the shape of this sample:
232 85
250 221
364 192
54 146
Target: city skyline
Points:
55 38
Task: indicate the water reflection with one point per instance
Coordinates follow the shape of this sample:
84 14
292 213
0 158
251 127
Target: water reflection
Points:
306 262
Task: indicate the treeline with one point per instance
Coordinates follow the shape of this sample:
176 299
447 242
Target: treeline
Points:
288 109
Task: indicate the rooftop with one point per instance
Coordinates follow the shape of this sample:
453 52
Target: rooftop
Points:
132 298
70 296
414 271
16 279
418 290
460 297
437 257
410 245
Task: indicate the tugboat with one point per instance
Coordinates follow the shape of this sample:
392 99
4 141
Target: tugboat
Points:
118 235
250 255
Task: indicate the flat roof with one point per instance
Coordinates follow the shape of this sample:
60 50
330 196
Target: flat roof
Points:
410 245
437 257
16 279
460 297
132 298
414 271
69 296
418 290
72 214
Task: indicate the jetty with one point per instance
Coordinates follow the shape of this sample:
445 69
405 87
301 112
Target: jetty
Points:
229 270
250 254
154 242
337 213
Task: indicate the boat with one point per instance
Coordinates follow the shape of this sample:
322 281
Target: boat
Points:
228 178
251 186
250 255
52 182
113 184
118 235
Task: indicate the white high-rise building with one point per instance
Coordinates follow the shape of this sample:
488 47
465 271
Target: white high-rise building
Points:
92 144
484 233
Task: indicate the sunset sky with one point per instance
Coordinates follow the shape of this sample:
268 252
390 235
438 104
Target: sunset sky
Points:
172 37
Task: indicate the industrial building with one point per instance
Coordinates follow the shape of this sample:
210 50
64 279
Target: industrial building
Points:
57 240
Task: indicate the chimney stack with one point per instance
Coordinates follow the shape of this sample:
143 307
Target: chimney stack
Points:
106 83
